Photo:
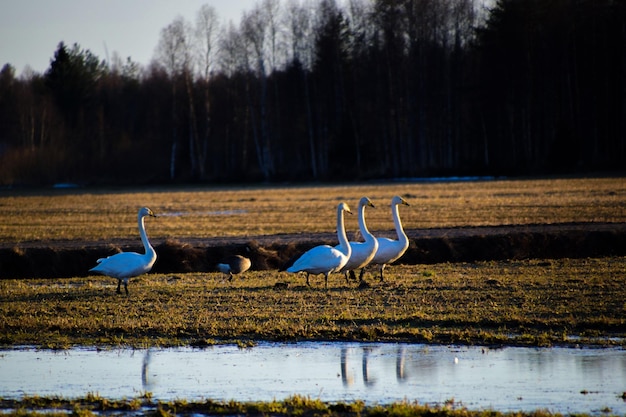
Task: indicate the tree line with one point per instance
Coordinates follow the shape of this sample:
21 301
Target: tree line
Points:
322 90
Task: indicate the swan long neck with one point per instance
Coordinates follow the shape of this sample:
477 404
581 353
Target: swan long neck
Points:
396 221
144 237
362 226
341 234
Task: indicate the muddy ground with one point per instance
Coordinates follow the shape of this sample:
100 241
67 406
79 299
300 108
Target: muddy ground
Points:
63 259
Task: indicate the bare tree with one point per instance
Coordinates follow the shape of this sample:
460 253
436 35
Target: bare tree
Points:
206 31
172 53
270 10
233 61
232 56
176 52
361 34
299 36
254 29
301 41
330 61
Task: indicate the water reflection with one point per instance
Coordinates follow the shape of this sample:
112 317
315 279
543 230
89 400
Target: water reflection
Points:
146 382
368 378
347 376
560 380
400 372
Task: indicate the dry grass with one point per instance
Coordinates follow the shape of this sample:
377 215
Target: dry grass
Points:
535 302
94 405
264 210
525 302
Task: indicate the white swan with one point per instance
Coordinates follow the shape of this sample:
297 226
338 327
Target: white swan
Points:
362 252
390 250
325 259
129 264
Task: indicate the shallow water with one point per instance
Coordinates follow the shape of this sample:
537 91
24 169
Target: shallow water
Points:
558 379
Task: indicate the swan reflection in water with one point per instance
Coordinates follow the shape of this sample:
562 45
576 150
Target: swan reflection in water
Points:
146 383
332 372
401 374
369 379
348 374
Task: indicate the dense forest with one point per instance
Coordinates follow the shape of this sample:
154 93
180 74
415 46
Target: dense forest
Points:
329 90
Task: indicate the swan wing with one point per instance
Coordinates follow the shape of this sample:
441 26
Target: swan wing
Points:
123 265
318 260
388 251
362 254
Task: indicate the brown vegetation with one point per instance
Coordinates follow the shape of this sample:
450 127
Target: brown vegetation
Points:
493 274
94 405
535 302
60 233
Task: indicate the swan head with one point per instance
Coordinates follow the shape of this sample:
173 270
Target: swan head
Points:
399 200
344 207
366 202
145 211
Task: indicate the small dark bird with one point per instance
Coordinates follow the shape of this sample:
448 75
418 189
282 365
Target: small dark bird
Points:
234 265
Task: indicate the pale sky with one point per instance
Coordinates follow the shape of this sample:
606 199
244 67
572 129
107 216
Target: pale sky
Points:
30 30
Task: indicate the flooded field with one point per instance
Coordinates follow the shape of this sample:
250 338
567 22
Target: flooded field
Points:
564 380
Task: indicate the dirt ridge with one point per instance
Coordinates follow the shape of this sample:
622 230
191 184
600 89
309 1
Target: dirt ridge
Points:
59 259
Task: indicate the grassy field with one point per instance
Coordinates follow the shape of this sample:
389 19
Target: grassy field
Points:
535 302
530 302
202 212
94 405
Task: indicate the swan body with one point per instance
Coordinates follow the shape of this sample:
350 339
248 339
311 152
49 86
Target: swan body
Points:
125 265
390 250
362 252
325 259
234 265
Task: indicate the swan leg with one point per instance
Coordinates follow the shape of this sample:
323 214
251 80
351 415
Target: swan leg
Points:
361 274
126 287
347 273
119 284
307 280
326 280
382 268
